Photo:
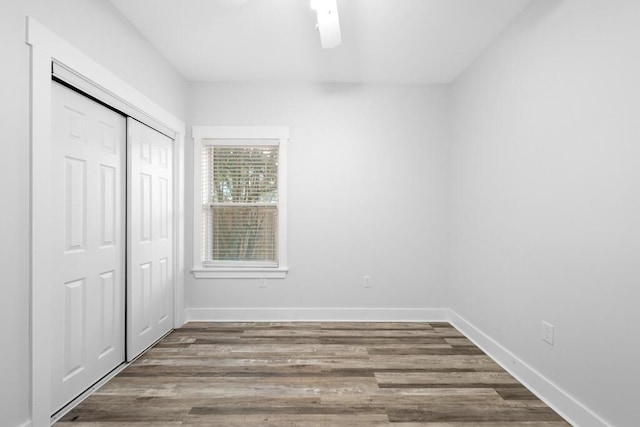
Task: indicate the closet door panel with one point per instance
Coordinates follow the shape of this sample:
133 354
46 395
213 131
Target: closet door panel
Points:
88 287
150 254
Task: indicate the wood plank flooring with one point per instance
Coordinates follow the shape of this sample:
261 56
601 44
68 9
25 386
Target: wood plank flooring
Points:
314 374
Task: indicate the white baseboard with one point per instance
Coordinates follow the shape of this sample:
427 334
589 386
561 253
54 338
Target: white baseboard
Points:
559 400
317 314
26 424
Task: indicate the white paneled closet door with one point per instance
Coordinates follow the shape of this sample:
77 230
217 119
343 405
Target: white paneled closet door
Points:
150 242
88 286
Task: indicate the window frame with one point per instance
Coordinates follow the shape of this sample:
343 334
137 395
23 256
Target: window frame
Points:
240 136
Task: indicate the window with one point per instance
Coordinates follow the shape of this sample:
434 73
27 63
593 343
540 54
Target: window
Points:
240 223
240 205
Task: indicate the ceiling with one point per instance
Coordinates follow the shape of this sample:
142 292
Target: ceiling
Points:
391 41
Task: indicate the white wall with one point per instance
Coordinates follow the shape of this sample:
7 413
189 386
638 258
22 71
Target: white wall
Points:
98 29
546 197
366 194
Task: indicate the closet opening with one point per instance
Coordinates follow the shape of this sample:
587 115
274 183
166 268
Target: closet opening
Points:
112 293
57 63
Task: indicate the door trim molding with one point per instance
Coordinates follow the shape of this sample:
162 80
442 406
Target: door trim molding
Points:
47 47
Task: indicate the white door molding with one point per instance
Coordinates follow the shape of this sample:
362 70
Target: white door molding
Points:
47 47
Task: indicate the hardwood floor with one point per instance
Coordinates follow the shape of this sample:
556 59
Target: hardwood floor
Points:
313 374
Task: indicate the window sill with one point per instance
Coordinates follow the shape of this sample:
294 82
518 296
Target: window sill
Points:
240 273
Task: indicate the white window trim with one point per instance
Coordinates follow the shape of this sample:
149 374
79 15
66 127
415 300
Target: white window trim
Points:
202 135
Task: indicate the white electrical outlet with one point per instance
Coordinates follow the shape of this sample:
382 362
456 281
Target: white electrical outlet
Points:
547 332
366 281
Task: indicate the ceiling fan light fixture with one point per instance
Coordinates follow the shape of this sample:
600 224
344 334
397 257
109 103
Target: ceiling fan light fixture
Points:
328 22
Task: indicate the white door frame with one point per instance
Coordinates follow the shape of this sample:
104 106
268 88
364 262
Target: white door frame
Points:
46 47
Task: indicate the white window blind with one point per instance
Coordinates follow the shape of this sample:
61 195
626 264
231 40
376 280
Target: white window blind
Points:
239 205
